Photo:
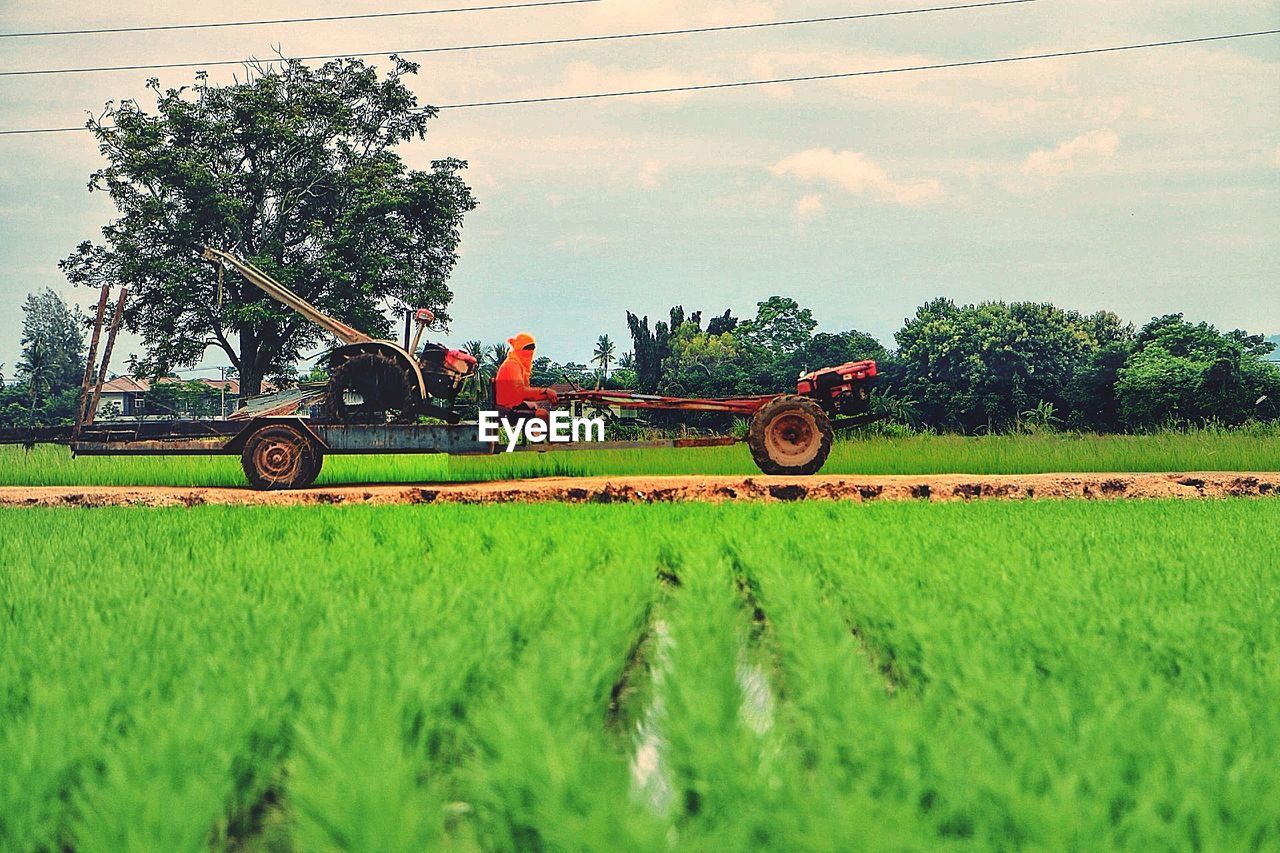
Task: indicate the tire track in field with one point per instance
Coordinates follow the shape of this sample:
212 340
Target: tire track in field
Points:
650 773
759 669
637 702
883 661
652 661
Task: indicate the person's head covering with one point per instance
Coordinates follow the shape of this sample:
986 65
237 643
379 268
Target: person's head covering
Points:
522 347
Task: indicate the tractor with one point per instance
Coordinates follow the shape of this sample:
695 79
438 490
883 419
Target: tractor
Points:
373 381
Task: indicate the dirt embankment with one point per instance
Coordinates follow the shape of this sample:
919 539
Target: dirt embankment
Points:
861 488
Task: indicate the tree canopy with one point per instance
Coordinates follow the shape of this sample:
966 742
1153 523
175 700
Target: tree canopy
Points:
983 365
49 325
1181 372
51 365
989 366
295 169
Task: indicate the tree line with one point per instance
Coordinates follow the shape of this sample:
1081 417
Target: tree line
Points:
973 368
954 368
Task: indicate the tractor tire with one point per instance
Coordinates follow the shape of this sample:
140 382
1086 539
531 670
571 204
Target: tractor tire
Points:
370 388
281 456
790 435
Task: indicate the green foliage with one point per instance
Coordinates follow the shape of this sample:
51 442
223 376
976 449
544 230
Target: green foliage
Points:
604 353
184 398
699 364
1181 372
51 366
1090 396
780 326
773 344
730 358
623 377
651 348
980 366
1054 675
296 169
53 335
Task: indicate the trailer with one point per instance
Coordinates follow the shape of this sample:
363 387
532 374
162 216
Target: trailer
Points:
788 434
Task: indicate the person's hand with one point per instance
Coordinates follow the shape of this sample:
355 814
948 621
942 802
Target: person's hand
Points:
551 397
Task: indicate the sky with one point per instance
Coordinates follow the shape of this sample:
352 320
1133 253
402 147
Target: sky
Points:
1142 183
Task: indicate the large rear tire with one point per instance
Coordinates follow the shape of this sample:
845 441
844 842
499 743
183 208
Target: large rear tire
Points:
281 456
371 388
790 435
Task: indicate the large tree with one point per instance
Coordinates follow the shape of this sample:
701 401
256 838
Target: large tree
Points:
976 366
295 169
1183 372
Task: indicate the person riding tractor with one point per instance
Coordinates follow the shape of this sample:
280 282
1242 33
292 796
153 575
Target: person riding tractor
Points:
512 389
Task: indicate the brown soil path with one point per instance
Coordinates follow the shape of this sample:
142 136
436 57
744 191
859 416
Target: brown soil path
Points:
862 488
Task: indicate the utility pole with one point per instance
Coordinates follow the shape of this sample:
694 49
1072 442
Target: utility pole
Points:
222 392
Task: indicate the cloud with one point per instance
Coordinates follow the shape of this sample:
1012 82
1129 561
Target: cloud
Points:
1088 148
650 175
856 173
810 207
677 13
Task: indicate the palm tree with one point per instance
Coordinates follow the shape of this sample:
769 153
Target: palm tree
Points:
36 366
498 354
626 361
483 377
604 353
490 362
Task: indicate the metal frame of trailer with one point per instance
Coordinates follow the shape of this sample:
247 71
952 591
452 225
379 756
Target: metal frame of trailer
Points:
288 452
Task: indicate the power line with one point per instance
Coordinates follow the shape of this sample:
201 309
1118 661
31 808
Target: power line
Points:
310 20
848 74
807 78
534 42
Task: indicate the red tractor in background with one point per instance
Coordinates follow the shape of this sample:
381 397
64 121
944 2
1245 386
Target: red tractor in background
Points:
792 434
787 433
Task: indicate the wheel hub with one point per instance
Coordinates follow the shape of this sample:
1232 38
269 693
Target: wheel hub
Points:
792 437
278 459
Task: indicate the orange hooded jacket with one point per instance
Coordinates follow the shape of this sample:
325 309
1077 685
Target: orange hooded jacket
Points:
511 385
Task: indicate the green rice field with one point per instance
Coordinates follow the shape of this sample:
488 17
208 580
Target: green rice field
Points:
816 676
1205 450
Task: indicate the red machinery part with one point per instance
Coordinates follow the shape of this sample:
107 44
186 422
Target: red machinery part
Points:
850 371
459 361
632 400
844 375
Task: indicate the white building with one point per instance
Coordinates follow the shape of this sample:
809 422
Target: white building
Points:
126 397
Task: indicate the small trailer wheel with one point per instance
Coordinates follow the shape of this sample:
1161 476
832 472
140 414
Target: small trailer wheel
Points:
281 456
790 435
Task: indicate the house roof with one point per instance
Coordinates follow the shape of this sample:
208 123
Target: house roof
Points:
131 385
232 386
125 385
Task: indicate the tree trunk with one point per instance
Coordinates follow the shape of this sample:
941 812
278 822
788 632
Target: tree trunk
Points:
250 368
